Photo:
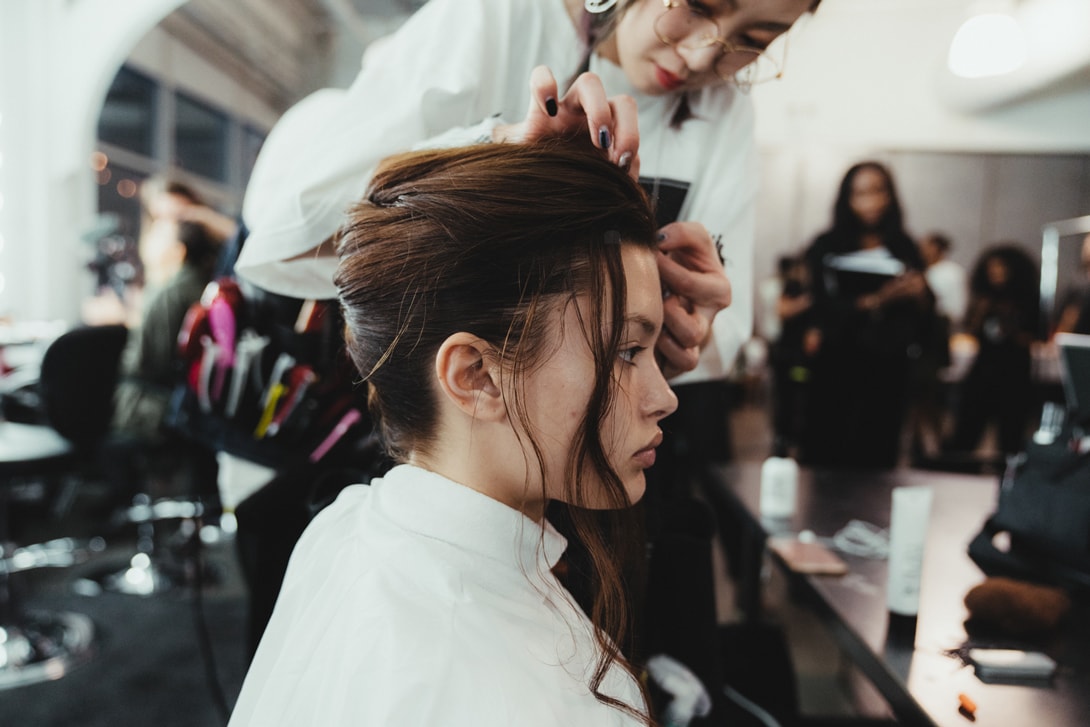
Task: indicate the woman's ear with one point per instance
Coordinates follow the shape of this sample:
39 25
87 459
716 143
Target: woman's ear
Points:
468 376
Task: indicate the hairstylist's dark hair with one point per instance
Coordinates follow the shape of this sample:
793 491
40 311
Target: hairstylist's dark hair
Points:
491 240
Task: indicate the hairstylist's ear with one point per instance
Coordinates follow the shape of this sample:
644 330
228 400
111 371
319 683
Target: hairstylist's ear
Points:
466 375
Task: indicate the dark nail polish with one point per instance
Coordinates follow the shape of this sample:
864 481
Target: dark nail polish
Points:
550 106
603 137
661 236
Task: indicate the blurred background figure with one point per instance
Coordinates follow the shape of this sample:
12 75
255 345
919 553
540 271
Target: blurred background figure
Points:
949 283
165 200
871 303
947 280
164 203
145 456
790 356
1003 313
178 260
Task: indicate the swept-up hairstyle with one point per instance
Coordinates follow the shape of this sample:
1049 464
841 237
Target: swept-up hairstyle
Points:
492 240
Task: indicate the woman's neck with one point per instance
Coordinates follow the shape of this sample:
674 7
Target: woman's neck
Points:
477 472
870 241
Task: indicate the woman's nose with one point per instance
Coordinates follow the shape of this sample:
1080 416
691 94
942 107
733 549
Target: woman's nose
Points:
700 60
661 399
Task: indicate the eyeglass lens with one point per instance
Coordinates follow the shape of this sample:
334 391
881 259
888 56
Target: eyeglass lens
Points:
679 25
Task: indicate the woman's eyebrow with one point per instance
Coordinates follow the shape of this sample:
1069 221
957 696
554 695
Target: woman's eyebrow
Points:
650 327
772 26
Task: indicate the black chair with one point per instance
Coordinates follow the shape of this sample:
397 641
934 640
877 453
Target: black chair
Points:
78 375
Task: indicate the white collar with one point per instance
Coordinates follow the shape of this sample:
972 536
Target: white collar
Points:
436 507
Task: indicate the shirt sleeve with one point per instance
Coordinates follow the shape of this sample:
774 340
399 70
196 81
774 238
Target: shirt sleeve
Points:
431 75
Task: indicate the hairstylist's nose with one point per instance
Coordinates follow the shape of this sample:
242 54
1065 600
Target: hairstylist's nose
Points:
699 60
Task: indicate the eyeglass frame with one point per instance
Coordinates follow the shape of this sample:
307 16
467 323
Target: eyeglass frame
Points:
725 48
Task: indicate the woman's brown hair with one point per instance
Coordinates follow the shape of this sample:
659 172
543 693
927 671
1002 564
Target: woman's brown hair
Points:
492 240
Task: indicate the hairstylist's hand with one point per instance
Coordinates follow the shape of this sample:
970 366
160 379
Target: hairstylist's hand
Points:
610 121
697 289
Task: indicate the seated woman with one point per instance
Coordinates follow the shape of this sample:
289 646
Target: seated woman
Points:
503 304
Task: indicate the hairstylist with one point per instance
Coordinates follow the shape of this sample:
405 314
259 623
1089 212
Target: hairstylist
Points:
662 77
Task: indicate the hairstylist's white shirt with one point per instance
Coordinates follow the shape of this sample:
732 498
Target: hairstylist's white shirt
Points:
452 64
416 602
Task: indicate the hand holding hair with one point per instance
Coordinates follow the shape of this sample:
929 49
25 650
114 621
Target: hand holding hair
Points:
698 289
610 121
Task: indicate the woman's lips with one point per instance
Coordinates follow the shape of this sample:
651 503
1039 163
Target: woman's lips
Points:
646 456
668 80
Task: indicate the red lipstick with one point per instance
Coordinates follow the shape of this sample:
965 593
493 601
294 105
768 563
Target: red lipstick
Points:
668 80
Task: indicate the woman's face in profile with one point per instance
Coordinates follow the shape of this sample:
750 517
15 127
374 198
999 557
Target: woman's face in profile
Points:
556 394
869 196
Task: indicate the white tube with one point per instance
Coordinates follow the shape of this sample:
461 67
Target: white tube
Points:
907 536
779 487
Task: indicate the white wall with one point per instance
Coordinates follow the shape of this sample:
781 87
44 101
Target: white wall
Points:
57 58
872 73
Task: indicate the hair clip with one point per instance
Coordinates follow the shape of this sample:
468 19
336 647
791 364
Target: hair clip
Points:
598 6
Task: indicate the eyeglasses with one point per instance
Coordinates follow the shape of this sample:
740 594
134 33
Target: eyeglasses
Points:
685 25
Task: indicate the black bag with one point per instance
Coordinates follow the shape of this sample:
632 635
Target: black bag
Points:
1044 506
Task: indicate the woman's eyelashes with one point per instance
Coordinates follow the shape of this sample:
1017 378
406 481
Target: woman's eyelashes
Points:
629 355
745 40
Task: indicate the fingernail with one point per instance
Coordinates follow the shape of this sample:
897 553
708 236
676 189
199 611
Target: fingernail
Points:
550 106
625 161
661 236
603 137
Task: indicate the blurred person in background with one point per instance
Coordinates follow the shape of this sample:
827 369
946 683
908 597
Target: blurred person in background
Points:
790 358
871 303
949 284
1003 317
164 202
